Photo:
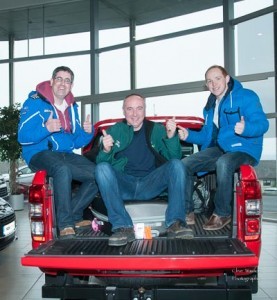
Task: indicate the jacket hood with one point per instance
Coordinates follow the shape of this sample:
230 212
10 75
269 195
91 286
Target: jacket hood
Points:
232 85
44 89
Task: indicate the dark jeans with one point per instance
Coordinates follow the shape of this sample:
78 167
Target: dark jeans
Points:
65 167
225 165
116 186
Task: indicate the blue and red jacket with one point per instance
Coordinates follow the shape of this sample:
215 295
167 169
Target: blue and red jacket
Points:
32 132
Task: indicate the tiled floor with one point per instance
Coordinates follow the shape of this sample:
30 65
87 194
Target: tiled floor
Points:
18 283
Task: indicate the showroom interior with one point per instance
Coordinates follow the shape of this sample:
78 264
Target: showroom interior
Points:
160 49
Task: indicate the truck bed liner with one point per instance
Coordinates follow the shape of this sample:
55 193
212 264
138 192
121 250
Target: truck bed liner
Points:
154 247
89 242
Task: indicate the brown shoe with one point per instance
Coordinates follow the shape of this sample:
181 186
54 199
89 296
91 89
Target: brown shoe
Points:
179 230
190 218
83 223
67 233
215 222
122 236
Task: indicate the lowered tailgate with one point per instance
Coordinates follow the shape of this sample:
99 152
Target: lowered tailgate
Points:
89 256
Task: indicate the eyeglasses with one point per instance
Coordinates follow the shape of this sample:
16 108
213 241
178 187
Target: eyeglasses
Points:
63 80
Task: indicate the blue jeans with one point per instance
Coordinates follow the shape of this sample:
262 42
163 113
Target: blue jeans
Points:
116 186
65 167
225 165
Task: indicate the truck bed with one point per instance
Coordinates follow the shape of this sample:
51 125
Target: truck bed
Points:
88 242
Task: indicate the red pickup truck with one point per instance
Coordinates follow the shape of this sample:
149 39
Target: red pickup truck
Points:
220 264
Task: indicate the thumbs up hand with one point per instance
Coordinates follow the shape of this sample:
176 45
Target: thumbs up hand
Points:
182 133
170 127
87 125
107 141
239 127
53 125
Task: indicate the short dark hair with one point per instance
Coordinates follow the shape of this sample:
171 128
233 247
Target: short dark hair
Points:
65 69
222 69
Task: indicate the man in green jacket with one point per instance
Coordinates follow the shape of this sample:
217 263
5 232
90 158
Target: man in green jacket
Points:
140 159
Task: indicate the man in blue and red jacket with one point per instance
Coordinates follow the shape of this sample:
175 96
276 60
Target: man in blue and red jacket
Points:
49 131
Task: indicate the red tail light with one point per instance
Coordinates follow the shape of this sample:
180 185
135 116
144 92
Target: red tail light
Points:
40 210
250 205
252 229
36 212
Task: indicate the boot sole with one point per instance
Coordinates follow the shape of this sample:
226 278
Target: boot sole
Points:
121 242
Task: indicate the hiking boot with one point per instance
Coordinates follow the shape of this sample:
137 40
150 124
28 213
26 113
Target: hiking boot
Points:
179 230
67 233
190 218
216 222
83 223
122 236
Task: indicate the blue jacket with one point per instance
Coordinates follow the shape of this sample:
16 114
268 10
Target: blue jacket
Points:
32 132
236 103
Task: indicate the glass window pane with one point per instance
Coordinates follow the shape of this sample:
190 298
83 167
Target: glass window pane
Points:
4 53
245 7
193 20
27 48
177 60
269 145
110 110
20 48
265 89
114 71
190 104
255 46
67 43
113 36
4 87
35 47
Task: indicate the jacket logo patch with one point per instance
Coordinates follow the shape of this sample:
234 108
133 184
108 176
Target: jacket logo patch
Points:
117 143
35 96
237 145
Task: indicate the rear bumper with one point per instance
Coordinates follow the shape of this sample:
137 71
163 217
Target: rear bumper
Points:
165 293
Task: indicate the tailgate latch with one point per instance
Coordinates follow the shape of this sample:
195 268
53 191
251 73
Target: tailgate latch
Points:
110 292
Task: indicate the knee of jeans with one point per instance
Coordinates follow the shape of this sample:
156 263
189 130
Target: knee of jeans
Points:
177 166
176 163
224 166
62 170
187 166
102 169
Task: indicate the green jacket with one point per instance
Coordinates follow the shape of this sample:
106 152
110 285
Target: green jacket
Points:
162 147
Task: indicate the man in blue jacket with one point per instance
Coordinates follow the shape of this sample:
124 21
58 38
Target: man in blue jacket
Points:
139 159
231 136
49 130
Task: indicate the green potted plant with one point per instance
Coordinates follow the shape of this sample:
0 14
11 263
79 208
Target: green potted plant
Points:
10 149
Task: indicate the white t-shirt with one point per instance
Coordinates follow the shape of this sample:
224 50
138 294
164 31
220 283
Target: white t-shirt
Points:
62 107
216 112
